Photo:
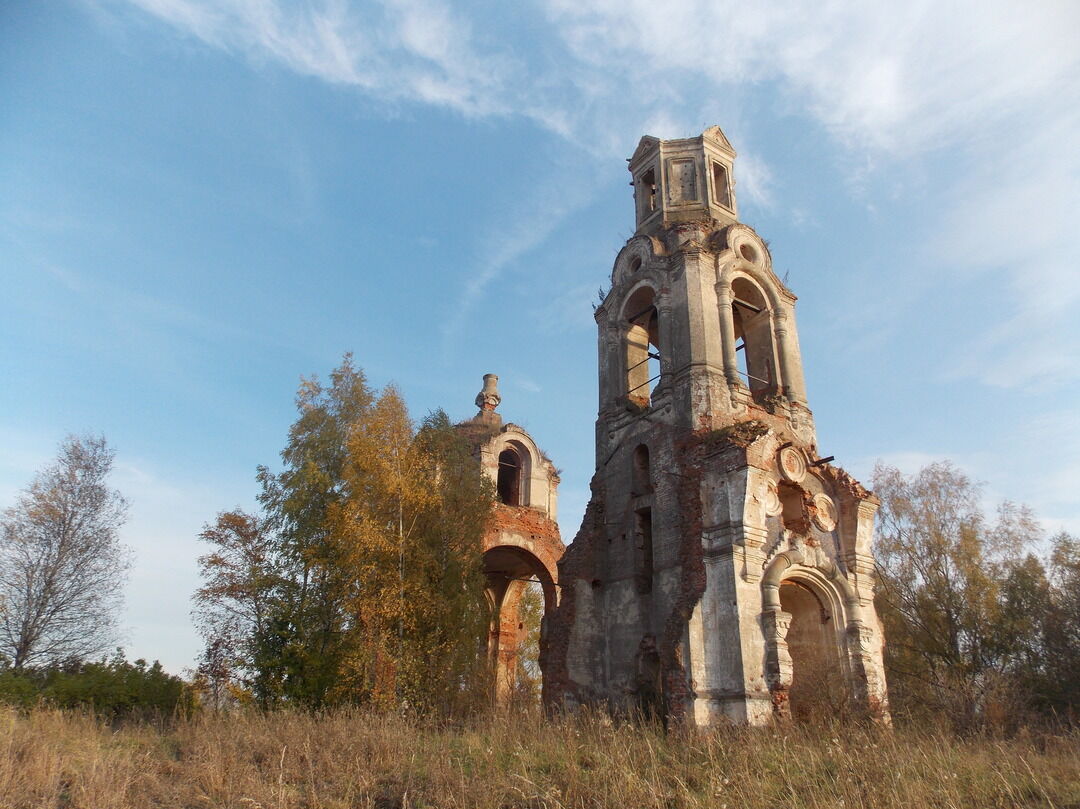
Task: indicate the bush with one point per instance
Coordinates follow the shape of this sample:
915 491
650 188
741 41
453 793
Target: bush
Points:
112 688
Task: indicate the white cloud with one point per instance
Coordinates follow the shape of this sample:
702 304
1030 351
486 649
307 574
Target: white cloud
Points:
397 50
996 81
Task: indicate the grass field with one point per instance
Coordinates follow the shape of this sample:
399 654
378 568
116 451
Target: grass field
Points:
359 759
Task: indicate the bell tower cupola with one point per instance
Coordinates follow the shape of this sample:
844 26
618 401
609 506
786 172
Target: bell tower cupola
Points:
683 180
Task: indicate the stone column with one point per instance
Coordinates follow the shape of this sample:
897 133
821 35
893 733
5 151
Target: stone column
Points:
790 359
727 333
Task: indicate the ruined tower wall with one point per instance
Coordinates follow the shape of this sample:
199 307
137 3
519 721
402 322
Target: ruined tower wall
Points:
712 513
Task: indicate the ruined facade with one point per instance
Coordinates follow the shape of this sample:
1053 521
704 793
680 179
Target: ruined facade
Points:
723 568
523 542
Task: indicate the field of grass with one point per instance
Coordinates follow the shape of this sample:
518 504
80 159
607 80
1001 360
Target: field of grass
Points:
343 759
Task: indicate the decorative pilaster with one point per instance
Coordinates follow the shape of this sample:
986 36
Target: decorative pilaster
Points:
778 668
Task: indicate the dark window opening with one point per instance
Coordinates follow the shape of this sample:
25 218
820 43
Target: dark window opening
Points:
509 484
721 189
642 478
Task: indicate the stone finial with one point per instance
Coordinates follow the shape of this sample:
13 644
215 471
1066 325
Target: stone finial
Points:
488 399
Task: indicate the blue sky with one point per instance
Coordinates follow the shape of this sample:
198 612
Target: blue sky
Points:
202 201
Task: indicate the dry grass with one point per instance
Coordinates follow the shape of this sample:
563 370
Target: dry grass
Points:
358 759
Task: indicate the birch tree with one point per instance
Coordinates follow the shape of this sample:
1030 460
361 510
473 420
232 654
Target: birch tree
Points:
62 567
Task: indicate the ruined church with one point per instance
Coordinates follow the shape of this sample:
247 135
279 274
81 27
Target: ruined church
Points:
723 570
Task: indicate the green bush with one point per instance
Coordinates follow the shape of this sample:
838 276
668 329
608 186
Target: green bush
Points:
112 688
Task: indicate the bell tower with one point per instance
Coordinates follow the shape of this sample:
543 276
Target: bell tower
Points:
723 567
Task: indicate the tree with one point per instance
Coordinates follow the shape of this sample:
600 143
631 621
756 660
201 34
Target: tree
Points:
361 580
233 608
303 647
411 527
1057 685
963 602
61 563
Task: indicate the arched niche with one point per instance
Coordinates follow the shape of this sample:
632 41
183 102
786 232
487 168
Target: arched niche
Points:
513 459
511 483
640 471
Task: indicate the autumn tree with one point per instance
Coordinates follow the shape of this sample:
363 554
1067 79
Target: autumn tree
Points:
966 602
411 527
360 581
62 566
1052 670
303 647
233 609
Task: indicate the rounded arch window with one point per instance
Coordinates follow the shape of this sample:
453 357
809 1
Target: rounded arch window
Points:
754 340
641 324
511 478
642 476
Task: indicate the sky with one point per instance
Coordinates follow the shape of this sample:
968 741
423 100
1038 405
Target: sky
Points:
202 201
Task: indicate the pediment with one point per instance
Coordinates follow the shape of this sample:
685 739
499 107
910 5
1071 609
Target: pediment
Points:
717 136
645 145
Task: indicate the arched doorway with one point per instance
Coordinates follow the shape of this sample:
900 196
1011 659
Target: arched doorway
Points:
521 594
817 686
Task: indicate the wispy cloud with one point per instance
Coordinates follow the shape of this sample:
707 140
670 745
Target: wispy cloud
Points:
396 50
995 81
511 239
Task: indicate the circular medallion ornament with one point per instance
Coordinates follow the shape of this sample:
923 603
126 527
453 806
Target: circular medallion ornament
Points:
773 506
824 512
792 464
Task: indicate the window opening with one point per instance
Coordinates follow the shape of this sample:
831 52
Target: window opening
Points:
509 482
721 189
642 346
753 337
642 477
646 194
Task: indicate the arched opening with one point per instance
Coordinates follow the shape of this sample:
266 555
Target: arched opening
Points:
642 477
521 594
754 345
641 324
817 685
511 477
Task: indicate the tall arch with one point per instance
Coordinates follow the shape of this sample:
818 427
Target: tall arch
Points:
510 571
755 345
818 686
806 618
640 325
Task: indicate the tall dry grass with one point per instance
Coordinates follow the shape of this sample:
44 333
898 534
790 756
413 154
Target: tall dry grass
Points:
50 758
